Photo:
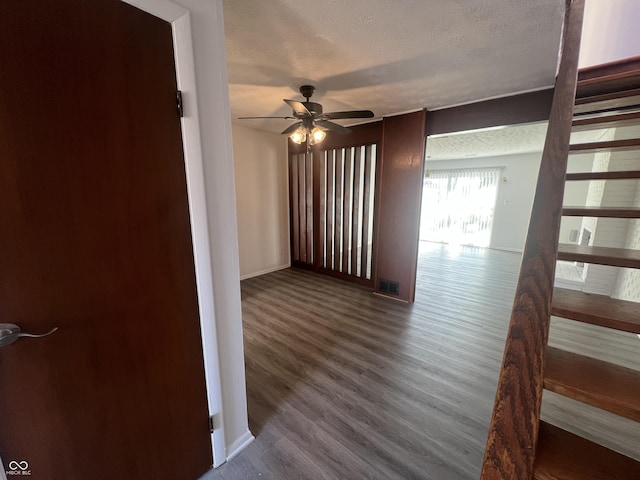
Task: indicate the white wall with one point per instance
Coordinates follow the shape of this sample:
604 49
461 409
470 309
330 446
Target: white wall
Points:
575 194
628 283
612 232
215 124
262 199
515 196
610 31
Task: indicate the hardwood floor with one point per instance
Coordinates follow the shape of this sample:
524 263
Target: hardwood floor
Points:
345 385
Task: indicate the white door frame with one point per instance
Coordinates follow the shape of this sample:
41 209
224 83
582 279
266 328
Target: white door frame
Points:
185 73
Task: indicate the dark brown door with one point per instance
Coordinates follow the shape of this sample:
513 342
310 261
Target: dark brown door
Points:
95 239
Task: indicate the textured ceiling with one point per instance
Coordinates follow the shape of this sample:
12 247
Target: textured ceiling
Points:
505 141
389 56
489 142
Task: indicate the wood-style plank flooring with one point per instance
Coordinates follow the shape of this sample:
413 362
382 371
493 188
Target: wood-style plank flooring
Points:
342 384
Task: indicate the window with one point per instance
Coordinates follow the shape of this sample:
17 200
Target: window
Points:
458 206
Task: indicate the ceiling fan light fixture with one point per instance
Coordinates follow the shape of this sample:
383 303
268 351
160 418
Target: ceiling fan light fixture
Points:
313 136
311 123
316 136
299 135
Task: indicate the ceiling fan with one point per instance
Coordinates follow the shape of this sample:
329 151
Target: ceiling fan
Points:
312 122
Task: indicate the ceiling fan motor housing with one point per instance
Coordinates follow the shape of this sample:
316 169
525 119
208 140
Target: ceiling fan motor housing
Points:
315 108
307 91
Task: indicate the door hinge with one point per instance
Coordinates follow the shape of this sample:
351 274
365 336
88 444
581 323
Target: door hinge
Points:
180 106
212 423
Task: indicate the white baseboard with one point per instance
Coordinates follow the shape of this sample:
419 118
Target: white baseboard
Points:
263 272
239 444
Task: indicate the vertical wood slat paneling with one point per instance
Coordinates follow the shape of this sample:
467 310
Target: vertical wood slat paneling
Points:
352 171
331 165
346 209
366 211
338 203
376 167
302 210
319 206
295 219
331 195
308 170
356 212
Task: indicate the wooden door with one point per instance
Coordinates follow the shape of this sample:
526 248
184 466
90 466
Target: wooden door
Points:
95 239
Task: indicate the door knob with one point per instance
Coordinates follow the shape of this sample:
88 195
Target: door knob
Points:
9 333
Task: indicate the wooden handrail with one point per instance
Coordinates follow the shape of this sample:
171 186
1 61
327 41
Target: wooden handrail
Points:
513 433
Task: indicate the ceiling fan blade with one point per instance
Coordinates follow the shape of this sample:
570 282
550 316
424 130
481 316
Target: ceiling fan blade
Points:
298 107
334 127
291 128
251 118
349 114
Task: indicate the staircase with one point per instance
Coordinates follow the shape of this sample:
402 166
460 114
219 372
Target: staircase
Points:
520 445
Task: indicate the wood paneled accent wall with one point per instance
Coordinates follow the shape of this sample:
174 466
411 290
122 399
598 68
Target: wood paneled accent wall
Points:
301 198
512 110
398 202
332 192
346 184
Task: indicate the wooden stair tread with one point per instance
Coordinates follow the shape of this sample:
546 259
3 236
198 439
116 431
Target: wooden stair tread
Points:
588 380
620 175
561 455
609 212
596 309
607 102
608 121
617 257
608 146
602 97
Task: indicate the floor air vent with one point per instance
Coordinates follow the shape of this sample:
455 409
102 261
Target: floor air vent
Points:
389 287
